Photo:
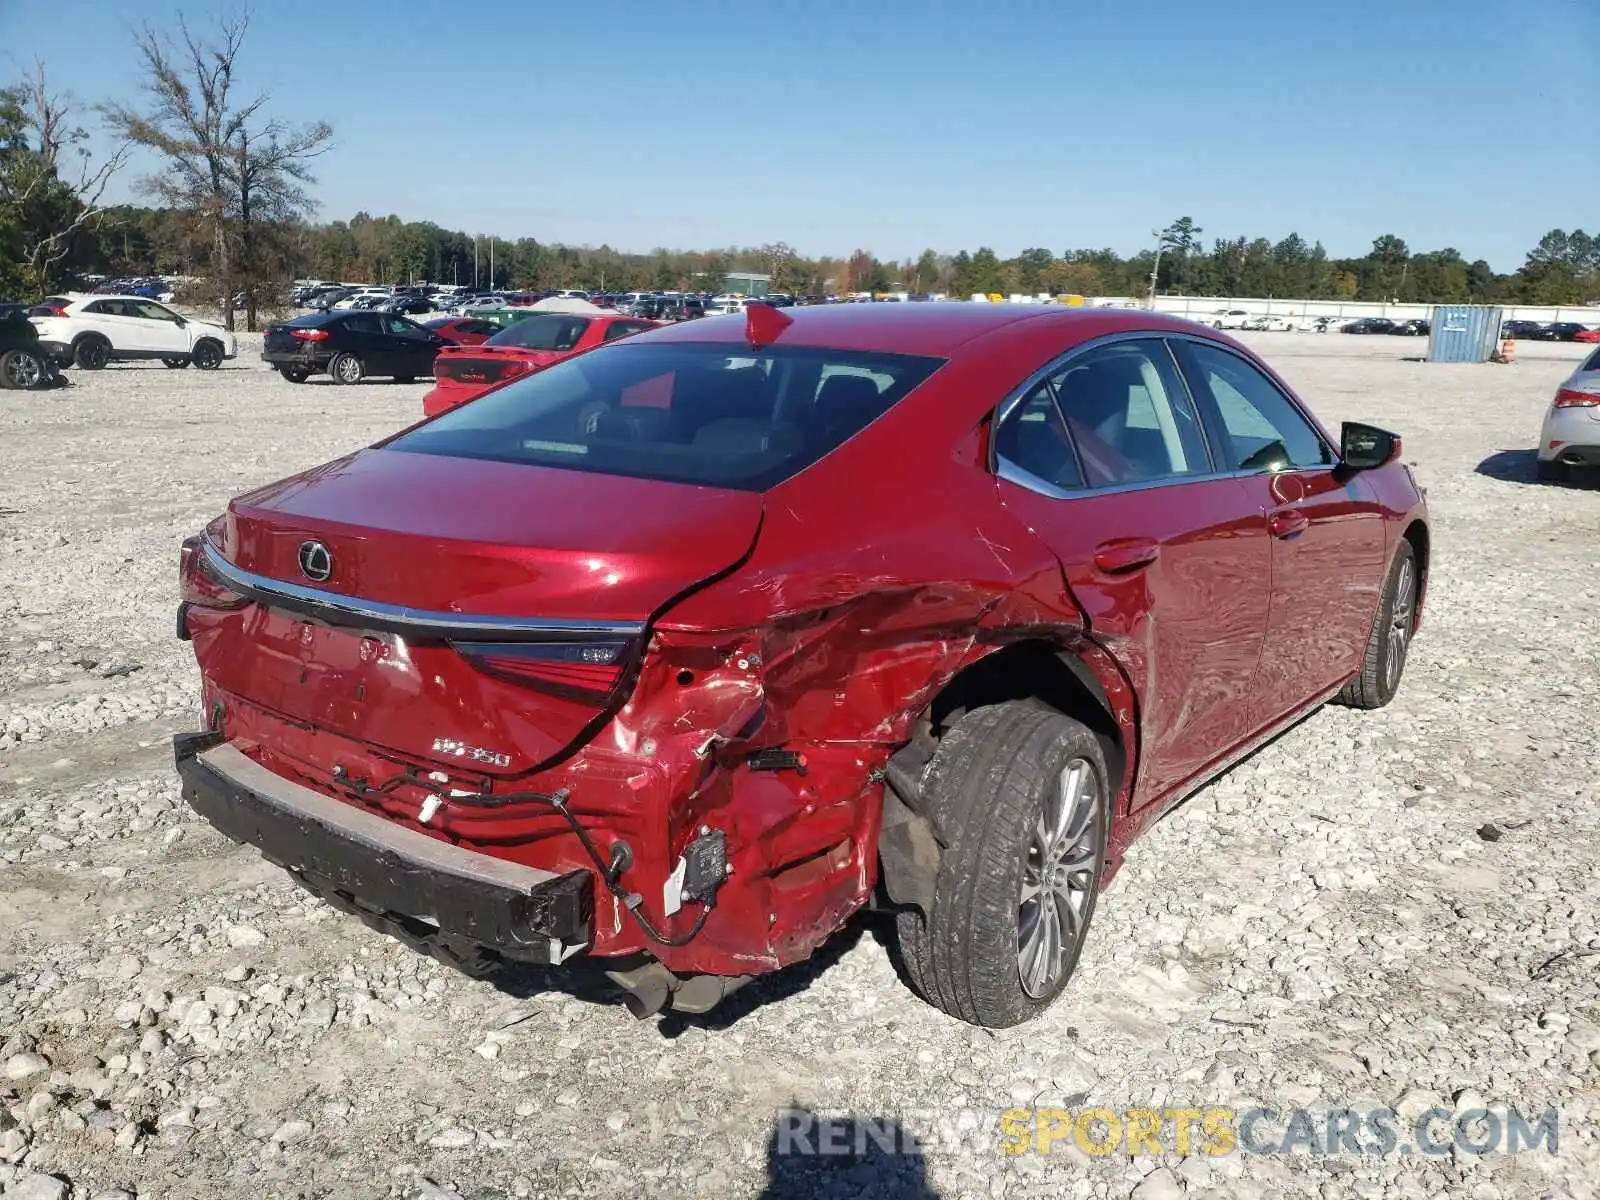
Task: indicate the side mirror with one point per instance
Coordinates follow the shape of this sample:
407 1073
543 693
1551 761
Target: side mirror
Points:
1362 447
182 321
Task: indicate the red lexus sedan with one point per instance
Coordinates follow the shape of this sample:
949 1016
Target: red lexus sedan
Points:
680 652
525 345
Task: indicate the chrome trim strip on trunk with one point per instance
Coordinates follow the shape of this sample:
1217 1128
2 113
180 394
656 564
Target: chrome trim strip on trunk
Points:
373 614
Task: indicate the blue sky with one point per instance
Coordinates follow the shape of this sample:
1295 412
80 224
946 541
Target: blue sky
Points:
893 125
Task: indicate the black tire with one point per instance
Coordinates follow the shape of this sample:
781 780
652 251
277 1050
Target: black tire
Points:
1384 664
1552 471
176 363
23 370
294 374
347 368
987 788
207 355
91 352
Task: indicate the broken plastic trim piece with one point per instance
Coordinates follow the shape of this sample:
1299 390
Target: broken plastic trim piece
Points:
764 324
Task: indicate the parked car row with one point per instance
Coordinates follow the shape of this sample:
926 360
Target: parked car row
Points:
465 355
1554 331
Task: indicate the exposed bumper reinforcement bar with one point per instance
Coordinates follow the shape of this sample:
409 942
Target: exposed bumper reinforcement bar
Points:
405 879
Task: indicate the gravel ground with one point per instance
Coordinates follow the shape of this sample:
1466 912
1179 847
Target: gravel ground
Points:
1396 908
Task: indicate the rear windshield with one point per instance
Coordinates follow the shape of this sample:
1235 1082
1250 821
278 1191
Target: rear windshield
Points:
688 413
547 331
313 319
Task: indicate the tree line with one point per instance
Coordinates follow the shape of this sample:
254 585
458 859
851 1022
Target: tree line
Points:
233 207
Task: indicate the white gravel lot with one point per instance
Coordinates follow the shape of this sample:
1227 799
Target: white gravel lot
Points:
1330 924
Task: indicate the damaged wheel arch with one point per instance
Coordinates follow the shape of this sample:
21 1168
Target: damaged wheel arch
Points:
1072 681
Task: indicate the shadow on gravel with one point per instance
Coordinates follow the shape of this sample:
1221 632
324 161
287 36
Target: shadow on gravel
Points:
1520 466
1510 466
585 979
810 1156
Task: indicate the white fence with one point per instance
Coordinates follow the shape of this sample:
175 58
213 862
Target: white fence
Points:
1201 307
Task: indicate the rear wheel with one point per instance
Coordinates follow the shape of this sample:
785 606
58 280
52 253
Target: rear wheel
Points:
22 370
1022 794
1390 642
92 352
207 355
347 368
1552 471
294 374
177 362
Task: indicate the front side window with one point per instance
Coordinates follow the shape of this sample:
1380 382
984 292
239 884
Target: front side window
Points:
151 312
403 328
678 412
1129 415
622 329
1266 431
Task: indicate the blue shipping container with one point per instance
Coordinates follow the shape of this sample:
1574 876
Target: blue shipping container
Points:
1463 333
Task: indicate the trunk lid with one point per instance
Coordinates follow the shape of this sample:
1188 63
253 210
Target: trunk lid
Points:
484 366
473 613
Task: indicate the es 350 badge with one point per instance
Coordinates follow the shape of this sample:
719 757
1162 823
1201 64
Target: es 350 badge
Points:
477 754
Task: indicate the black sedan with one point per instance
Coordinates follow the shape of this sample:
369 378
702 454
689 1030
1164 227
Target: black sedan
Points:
1412 328
1531 330
1561 331
1370 325
350 345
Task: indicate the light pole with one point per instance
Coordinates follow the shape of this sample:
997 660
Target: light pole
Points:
1161 244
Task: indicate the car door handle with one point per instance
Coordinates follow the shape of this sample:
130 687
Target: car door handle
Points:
1117 558
1286 522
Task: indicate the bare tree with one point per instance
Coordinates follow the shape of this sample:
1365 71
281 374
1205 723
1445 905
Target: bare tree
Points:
56 187
235 171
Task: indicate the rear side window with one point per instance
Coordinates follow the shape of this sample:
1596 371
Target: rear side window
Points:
684 413
545 331
1127 415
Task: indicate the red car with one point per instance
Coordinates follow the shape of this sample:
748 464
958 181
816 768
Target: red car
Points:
463 331
527 344
1587 335
682 651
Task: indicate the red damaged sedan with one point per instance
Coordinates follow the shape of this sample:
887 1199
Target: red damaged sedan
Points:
679 653
527 344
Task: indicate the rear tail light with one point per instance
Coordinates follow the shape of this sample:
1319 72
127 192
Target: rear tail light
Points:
309 335
198 584
1578 397
575 670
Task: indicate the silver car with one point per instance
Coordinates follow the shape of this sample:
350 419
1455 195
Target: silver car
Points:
1570 437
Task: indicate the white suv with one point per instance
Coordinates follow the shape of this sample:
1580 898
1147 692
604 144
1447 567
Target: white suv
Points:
90 331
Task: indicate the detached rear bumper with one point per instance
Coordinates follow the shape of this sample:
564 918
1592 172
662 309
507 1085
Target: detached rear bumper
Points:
400 877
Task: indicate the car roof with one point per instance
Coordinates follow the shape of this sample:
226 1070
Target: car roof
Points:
935 329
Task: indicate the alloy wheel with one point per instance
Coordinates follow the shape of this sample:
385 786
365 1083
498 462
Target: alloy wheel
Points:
23 370
1058 879
1401 619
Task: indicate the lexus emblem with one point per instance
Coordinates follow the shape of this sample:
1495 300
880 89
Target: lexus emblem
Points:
315 561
